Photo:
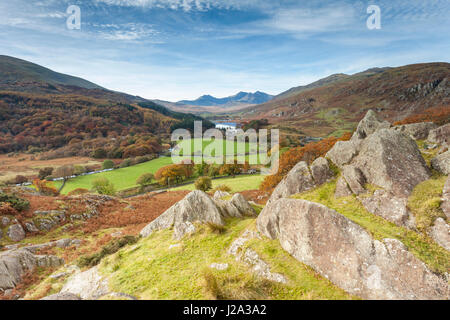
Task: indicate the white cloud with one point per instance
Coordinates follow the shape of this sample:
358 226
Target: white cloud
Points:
312 20
186 5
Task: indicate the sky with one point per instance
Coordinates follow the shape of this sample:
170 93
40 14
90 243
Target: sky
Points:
182 49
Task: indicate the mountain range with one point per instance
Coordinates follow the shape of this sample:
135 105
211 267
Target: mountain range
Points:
240 98
337 103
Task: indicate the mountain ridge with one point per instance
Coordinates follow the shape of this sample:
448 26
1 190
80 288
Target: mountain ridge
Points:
241 97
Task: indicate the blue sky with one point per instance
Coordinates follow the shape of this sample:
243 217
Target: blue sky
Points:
181 49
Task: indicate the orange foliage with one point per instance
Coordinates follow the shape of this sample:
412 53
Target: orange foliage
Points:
45 187
438 115
7 210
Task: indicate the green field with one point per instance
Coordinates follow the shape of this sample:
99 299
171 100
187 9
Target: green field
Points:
123 178
196 146
237 184
235 149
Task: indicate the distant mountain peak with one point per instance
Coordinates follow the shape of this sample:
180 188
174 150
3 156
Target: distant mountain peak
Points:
240 98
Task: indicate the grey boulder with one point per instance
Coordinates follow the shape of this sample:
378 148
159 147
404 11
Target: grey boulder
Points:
16 233
445 206
15 263
368 125
389 207
320 170
197 206
440 135
299 179
346 254
392 160
62 296
417 131
441 163
440 232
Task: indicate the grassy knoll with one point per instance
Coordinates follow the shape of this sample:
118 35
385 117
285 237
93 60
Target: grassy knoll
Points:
436 257
152 270
237 184
123 178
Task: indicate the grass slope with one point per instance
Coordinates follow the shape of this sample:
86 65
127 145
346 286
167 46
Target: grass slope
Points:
151 270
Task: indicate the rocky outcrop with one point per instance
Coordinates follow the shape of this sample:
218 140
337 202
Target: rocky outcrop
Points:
354 178
88 285
342 188
417 131
390 207
441 163
343 152
302 178
440 232
440 135
15 263
320 170
346 254
16 233
251 258
237 207
391 160
368 125
218 195
197 206
62 243
445 206
62 296
299 179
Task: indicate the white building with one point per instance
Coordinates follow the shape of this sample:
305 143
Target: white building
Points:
226 127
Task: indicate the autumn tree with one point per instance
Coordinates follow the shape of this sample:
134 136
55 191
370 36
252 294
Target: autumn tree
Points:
45 172
145 180
231 169
65 172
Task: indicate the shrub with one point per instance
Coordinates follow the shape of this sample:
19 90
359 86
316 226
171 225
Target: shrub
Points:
45 172
108 164
141 159
99 153
78 169
125 163
145 179
222 187
6 209
203 184
20 179
103 186
45 187
213 171
110 248
15 202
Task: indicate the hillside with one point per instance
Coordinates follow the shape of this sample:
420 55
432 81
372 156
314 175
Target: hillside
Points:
337 103
57 115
